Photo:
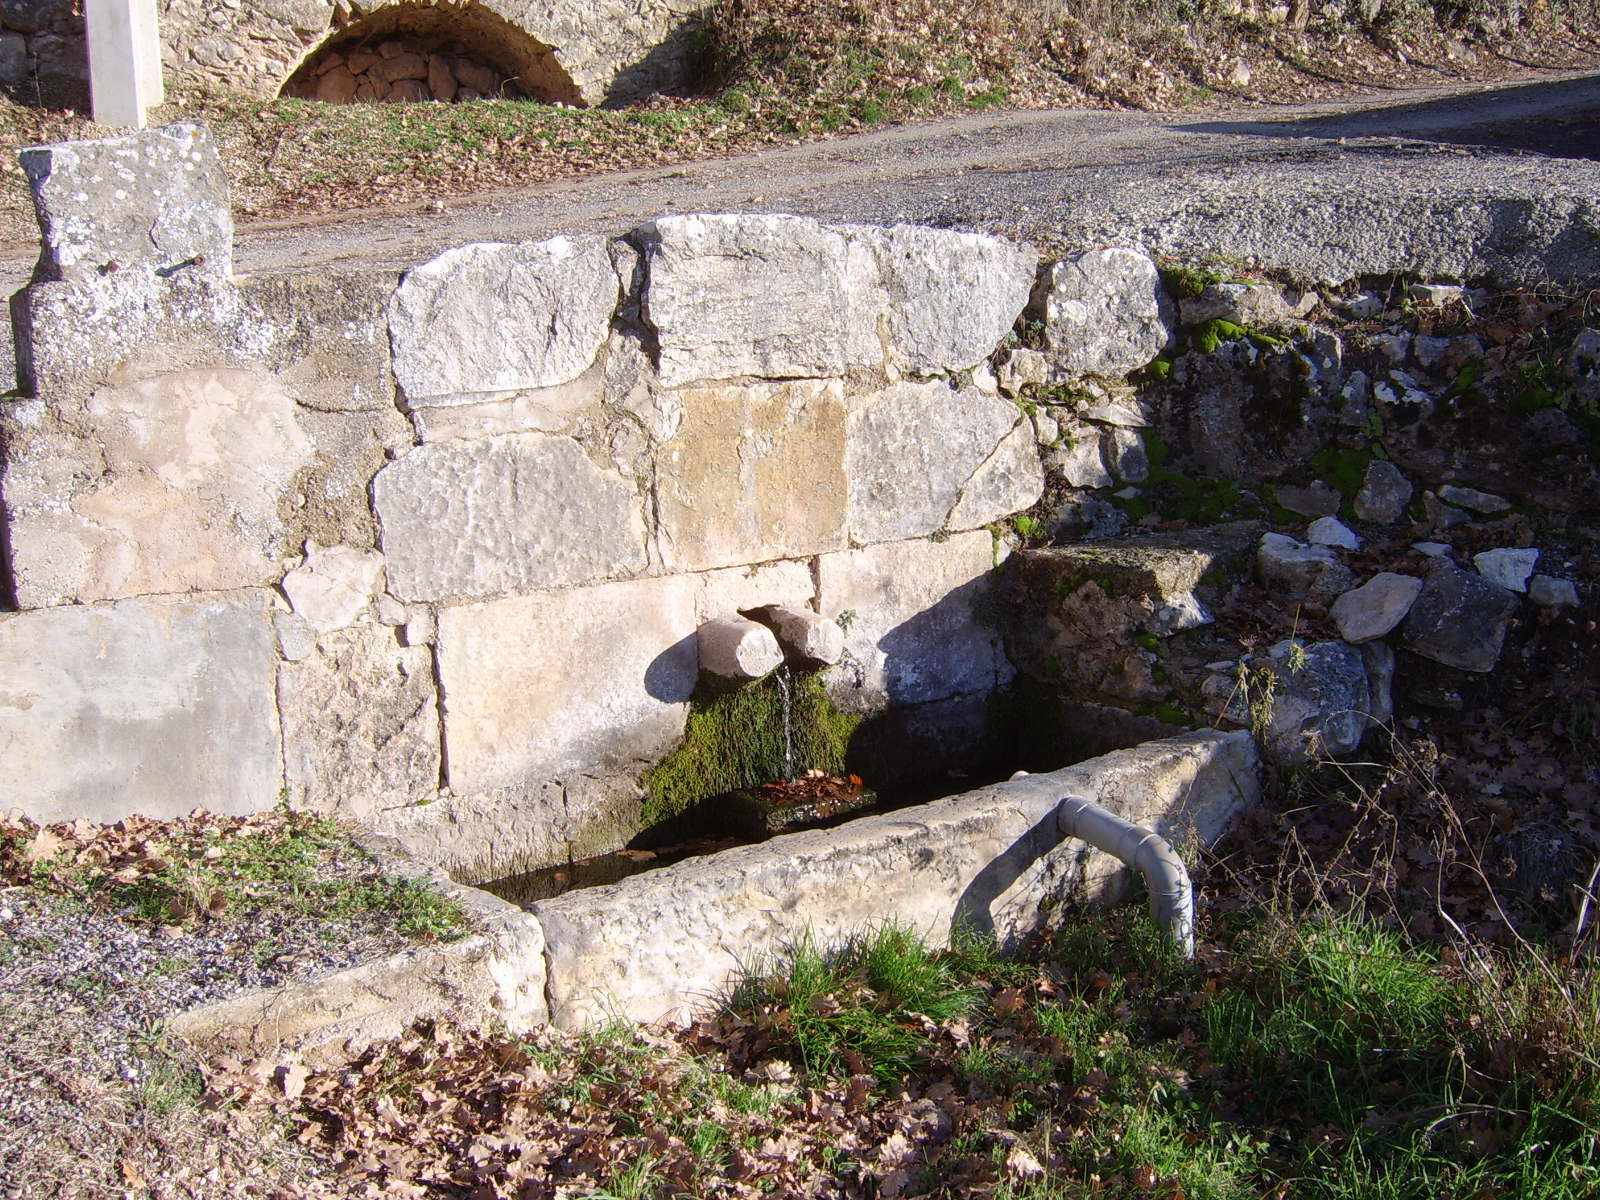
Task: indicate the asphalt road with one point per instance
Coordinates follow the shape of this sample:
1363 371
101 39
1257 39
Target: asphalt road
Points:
1045 176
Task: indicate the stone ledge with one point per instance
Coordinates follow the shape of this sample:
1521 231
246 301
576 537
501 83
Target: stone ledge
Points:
494 976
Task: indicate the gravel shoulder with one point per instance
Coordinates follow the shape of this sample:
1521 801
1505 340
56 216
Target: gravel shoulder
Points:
108 931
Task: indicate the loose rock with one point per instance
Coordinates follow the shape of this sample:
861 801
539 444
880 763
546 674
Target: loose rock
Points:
1330 531
1372 610
1507 567
1299 571
1459 619
1384 494
1317 500
1478 502
1105 312
1550 592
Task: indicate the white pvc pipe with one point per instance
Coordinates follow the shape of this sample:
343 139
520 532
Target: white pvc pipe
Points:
1165 876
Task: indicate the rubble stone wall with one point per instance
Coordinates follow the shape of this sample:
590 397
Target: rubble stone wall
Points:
44 56
572 51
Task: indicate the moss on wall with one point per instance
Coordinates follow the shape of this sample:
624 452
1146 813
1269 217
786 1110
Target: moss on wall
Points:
734 739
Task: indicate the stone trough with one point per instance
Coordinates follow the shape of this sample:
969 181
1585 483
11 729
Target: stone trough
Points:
664 945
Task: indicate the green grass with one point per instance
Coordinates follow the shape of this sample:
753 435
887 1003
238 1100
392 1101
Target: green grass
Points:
220 870
1321 1056
857 1009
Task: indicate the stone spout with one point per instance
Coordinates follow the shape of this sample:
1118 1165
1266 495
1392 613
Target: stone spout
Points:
807 638
737 648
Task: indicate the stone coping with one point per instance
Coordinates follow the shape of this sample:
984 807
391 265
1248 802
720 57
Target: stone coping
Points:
662 945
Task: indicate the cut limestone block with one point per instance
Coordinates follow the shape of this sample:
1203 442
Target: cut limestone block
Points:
663 944
949 298
173 484
499 317
543 687
324 337
914 631
360 723
917 450
753 472
773 297
153 707
504 514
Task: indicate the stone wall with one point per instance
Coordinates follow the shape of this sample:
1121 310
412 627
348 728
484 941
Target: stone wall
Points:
43 53
430 550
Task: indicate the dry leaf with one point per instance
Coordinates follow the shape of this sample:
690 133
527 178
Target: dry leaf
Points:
131 1176
1021 1164
292 1079
856 1095
44 845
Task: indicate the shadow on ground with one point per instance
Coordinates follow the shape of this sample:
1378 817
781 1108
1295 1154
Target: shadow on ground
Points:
1559 119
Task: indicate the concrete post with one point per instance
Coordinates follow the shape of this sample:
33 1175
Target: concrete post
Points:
124 60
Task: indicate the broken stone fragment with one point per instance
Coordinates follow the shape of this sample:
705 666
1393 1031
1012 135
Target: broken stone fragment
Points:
296 638
737 648
1078 460
1020 368
1375 608
1384 494
1439 515
1507 567
1430 350
807 639
1550 592
1330 531
420 625
1438 294
1459 619
1478 502
1299 571
1125 454
1105 313
1262 304
334 585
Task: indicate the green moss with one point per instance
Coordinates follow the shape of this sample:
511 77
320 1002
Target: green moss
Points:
1155 447
734 739
1171 714
1343 470
1188 282
1149 641
1211 334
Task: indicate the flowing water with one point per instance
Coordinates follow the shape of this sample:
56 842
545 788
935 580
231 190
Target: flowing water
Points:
787 708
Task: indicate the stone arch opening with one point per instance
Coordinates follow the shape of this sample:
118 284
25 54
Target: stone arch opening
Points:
430 51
